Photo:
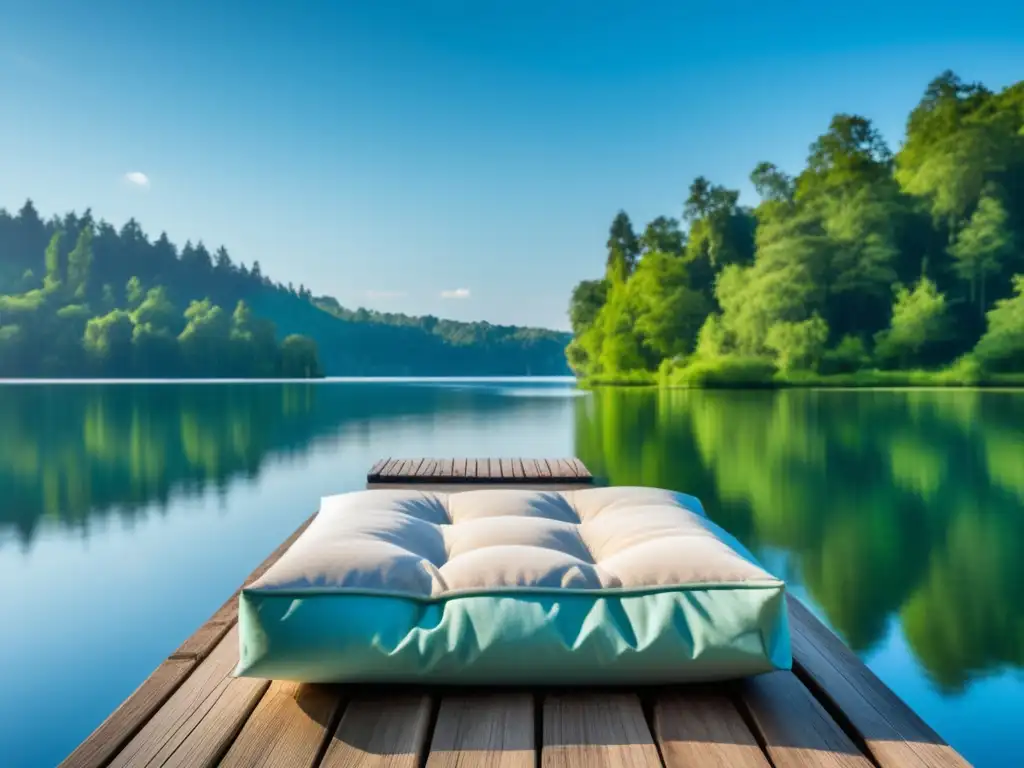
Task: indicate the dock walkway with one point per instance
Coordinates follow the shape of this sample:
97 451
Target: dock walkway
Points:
831 710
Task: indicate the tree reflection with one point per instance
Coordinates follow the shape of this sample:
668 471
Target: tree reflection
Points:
906 505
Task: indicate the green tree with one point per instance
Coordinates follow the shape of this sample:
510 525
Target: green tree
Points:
983 246
80 264
798 346
918 322
1002 346
299 358
54 273
623 248
108 339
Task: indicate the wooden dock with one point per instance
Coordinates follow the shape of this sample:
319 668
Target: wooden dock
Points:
831 710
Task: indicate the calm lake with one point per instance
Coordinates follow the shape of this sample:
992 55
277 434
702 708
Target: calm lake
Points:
129 512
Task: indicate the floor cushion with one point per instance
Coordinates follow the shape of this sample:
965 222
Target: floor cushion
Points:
511 586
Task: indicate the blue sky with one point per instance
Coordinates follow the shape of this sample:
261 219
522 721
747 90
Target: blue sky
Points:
390 152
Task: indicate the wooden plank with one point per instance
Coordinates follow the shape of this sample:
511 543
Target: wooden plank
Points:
204 640
125 721
381 731
376 469
581 469
699 729
402 469
484 731
389 467
517 468
458 468
426 468
196 724
565 469
448 468
892 732
795 728
438 471
543 470
530 470
506 468
590 730
289 728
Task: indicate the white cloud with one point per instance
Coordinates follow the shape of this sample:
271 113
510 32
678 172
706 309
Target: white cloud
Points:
457 293
137 178
385 294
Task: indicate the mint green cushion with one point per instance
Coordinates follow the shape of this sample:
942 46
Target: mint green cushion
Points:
604 585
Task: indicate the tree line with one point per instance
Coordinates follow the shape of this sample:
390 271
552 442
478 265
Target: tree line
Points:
865 260
77 318
79 297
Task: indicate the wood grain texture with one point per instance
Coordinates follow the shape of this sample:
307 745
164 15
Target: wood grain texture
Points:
698 729
379 732
543 470
129 718
892 732
796 729
517 468
591 730
377 467
288 729
581 469
126 721
484 731
198 721
458 467
507 472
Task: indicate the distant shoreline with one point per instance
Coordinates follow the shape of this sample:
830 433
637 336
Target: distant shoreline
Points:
318 380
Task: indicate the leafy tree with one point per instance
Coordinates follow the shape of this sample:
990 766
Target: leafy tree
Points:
918 321
798 346
108 340
1002 346
982 247
587 299
623 248
80 263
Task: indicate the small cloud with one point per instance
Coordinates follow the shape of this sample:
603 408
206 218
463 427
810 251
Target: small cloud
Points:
385 294
137 178
457 293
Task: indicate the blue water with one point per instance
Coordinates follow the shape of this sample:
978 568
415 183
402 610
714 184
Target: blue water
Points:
129 512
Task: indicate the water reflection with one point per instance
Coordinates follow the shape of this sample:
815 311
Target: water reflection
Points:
74 453
890 505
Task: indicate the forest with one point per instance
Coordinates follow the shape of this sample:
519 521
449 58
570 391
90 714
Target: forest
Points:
866 267
80 298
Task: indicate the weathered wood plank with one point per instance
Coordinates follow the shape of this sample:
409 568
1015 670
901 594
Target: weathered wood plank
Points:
125 721
484 731
530 469
703 729
447 468
376 468
567 470
796 729
203 640
517 468
506 468
402 468
198 721
129 718
543 470
591 730
288 729
388 469
381 731
893 733
459 467
581 469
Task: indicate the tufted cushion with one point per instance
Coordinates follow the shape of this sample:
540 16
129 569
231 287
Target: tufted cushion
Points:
490 585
